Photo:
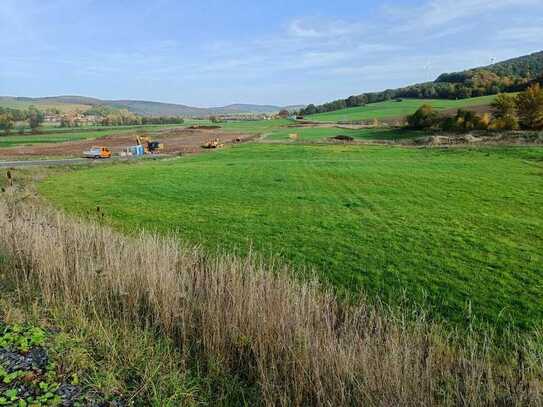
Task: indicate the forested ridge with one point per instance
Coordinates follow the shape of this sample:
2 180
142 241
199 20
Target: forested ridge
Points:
508 76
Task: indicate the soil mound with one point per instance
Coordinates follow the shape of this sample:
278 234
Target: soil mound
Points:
342 138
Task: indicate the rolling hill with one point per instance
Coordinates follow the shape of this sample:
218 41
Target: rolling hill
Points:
141 107
512 75
392 110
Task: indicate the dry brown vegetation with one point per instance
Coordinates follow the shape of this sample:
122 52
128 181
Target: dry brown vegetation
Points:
293 340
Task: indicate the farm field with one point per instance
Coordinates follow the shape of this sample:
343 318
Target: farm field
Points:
393 109
54 128
460 231
52 137
253 126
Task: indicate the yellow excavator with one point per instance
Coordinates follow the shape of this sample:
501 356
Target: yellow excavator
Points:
150 147
213 144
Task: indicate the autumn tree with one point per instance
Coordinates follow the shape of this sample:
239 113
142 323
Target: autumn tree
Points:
505 112
530 107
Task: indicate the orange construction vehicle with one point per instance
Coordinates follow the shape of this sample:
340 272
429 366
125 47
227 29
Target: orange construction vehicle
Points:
98 152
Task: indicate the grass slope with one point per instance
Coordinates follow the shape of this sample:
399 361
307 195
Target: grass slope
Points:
461 230
391 108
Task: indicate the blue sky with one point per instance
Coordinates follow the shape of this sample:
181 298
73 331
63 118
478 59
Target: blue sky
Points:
210 53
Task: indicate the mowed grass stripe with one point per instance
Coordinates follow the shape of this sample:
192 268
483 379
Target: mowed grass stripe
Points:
459 230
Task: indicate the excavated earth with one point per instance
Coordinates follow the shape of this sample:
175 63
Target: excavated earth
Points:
175 141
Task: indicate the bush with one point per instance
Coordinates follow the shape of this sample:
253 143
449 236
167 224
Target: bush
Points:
424 118
505 123
466 120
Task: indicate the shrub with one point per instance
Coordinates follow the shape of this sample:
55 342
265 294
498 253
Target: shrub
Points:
465 120
505 123
424 118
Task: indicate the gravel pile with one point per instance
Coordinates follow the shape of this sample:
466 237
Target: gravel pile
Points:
28 376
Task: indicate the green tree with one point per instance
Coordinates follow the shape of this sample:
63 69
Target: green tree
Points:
35 118
424 118
309 110
6 123
530 107
467 120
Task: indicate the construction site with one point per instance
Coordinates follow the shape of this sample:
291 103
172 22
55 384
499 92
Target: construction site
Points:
164 142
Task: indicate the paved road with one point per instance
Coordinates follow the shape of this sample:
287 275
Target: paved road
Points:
74 161
34 163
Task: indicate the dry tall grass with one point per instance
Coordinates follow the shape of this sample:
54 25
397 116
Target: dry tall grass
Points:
293 340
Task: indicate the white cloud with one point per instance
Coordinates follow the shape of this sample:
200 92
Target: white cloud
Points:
530 34
341 55
437 13
322 28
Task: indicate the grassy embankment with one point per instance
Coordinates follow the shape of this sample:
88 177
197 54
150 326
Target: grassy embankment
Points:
173 326
393 108
458 231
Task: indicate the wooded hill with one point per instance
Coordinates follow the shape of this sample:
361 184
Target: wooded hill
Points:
508 76
139 107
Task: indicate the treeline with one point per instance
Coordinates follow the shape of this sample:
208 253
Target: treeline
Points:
510 76
9 117
481 84
524 111
19 120
123 117
106 116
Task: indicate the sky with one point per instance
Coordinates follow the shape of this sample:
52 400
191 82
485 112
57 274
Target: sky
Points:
213 53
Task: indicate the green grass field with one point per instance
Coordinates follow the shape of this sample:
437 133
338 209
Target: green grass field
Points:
253 126
280 130
459 230
54 128
308 134
390 109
